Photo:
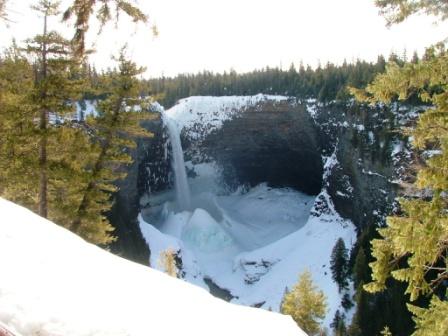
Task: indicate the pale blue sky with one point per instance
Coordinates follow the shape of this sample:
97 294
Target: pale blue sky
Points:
246 34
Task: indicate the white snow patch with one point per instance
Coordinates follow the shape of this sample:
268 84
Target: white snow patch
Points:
90 109
329 163
54 283
432 152
339 193
371 137
311 108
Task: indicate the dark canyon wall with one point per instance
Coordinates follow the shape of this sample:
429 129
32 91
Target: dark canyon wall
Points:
273 142
280 143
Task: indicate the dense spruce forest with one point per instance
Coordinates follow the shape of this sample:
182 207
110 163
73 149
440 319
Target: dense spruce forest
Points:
325 83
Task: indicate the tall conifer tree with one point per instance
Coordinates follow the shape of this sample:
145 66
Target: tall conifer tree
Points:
114 130
306 304
82 10
339 264
413 247
18 143
53 93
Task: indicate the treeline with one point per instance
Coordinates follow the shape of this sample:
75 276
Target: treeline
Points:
325 83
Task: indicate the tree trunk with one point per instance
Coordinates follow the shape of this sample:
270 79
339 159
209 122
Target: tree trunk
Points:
43 174
43 123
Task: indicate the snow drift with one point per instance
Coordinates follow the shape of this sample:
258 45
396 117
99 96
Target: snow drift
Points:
54 283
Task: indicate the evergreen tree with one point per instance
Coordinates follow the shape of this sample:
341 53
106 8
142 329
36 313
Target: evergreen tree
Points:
354 330
432 321
82 10
419 234
338 324
37 154
386 331
361 271
413 246
113 130
306 304
53 90
414 58
327 83
18 178
346 302
397 11
168 262
60 168
339 264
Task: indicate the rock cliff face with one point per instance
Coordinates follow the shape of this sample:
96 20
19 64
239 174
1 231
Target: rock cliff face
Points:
272 142
280 142
147 172
361 182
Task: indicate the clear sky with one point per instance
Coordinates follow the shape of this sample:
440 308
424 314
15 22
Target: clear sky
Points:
244 35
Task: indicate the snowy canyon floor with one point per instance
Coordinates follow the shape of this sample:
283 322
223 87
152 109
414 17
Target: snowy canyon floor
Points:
251 244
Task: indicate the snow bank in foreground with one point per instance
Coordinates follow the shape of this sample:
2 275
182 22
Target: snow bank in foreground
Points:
54 283
202 115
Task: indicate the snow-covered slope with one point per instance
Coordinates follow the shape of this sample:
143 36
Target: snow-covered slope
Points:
54 283
200 115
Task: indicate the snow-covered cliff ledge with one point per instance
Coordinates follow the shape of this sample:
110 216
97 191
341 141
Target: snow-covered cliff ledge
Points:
199 116
54 283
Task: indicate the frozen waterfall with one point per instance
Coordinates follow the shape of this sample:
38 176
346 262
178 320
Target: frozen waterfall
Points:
180 175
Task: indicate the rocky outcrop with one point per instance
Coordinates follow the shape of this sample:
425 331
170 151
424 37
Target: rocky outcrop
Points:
361 183
273 142
147 172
